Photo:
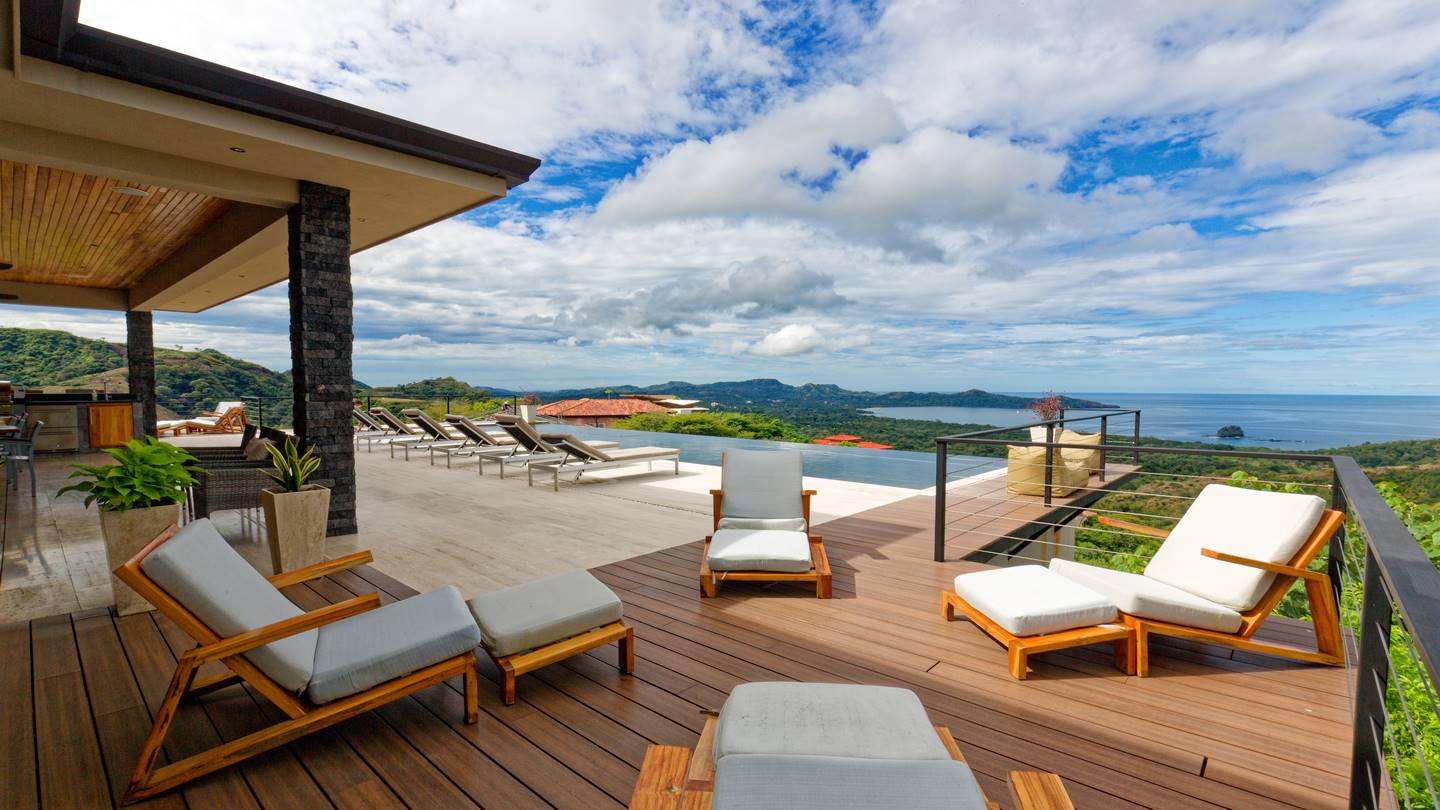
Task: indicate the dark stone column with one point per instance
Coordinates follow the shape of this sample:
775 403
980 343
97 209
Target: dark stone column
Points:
321 324
140 359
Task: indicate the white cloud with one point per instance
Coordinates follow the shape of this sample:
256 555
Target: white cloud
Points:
1293 140
530 76
797 338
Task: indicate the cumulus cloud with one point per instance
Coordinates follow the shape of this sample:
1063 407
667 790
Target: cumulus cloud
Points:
1293 140
804 338
752 291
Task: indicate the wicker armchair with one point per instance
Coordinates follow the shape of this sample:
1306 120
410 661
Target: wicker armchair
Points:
228 480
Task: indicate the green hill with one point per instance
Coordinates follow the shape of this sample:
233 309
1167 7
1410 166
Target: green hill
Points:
185 382
770 392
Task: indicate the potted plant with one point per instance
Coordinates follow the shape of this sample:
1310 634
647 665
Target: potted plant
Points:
527 407
139 497
296 511
1047 408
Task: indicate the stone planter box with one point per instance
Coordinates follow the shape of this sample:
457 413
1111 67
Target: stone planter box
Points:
125 534
295 522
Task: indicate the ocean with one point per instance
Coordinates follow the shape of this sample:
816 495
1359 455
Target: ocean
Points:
1277 421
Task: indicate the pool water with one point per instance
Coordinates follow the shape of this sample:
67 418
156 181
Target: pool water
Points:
893 468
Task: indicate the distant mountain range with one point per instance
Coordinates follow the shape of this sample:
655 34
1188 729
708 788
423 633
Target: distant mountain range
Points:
771 392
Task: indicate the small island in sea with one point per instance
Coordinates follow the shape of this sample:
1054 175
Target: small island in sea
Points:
1230 432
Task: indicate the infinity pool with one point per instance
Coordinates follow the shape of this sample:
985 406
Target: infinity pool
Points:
894 468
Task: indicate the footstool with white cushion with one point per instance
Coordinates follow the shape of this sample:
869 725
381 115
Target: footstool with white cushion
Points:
528 626
1031 609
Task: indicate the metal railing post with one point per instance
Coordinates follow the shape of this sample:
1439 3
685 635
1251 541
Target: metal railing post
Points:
1137 437
1049 460
1367 753
1336 565
260 411
1104 429
941 449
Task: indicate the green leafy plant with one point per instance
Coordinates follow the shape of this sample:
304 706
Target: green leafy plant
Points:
292 468
145 473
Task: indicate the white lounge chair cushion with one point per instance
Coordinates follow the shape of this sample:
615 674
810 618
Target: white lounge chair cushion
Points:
391 641
825 719
760 550
751 782
1265 526
523 617
203 573
1147 598
1029 600
772 524
762 484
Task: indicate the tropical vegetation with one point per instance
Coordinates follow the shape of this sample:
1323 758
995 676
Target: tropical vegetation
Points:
732 425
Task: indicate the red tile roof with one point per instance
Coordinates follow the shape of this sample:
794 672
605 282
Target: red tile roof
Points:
842 437
623 406
875 446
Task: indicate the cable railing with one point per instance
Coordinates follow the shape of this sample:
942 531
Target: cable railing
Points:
1385 584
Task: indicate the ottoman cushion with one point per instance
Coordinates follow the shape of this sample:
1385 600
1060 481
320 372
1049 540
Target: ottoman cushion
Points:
763 782
537 613
1028 600
826 719
397 639
760 550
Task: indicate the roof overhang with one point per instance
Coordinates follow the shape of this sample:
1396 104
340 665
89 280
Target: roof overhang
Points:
95 110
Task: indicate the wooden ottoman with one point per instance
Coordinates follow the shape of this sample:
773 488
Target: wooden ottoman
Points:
1030 609
529 626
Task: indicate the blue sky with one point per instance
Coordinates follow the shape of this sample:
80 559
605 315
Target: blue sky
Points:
1211 196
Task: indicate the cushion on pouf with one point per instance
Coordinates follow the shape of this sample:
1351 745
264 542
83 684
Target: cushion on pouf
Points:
1028 600
760 550
547 610
397 639
1142 596
765 782
825 719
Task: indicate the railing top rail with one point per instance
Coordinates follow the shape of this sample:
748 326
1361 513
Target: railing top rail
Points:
1057 421
969 438
1409 575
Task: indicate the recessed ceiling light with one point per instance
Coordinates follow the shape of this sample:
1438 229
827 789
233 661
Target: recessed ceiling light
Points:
238 149
360 219
6 266
130 191
9 297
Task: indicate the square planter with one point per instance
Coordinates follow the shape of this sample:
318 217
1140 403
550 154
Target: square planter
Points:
295 522
125 534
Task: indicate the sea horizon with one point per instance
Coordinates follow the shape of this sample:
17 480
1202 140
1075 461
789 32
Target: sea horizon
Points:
1276 421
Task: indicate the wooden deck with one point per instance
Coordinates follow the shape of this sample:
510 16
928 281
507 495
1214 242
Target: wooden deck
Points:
1211 728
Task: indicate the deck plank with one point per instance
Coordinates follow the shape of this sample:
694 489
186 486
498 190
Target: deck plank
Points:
18 783
71 769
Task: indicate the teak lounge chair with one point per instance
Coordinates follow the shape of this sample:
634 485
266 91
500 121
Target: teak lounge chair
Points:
836 746
318 668
1219 574
228 417
1222 570
762 524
